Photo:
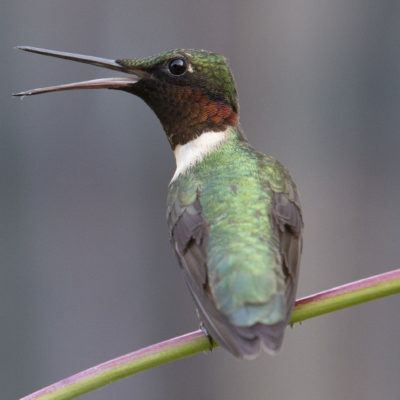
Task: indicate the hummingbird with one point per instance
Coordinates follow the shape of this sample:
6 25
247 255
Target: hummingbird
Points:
234 214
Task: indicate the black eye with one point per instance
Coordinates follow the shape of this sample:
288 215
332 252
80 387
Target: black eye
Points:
177 66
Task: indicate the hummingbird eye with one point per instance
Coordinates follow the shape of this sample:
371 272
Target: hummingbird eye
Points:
177 66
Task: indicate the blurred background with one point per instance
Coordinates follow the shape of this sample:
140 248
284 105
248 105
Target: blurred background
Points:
87 271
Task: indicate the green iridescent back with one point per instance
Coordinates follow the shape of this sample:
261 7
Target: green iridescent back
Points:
246 200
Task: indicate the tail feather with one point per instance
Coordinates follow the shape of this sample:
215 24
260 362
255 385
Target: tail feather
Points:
244 342
269 337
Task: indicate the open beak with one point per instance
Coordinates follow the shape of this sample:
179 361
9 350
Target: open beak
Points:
106 83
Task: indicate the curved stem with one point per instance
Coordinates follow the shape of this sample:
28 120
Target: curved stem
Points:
347 295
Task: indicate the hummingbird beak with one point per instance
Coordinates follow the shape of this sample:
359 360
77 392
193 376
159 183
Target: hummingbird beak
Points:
106 83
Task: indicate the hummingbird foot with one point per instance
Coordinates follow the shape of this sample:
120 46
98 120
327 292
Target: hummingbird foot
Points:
208 336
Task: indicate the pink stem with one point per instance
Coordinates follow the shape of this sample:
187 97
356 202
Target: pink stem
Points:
182 346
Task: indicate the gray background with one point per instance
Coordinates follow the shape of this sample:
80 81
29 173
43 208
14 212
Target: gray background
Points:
87 272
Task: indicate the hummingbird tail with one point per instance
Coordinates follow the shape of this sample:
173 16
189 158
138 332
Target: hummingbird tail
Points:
244 342
270 337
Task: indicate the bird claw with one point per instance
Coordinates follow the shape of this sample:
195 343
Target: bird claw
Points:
208 336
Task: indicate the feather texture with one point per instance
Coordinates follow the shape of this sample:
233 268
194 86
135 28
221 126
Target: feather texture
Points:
236 228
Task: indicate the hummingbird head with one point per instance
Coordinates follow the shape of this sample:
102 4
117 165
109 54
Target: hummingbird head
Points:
190 91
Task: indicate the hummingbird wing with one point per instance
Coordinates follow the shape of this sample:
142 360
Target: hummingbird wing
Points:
289 223
189 235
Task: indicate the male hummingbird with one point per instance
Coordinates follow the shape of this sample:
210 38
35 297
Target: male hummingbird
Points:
233 213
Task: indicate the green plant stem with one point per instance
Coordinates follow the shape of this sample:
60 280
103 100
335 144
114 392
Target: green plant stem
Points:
348 295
